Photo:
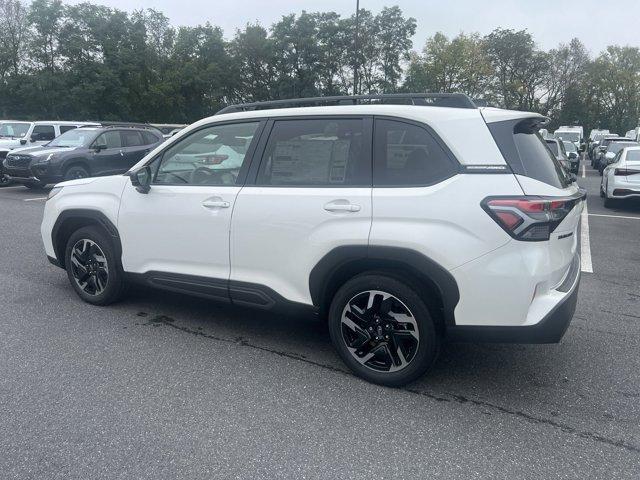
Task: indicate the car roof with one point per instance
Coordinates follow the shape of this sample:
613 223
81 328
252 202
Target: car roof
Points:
61 122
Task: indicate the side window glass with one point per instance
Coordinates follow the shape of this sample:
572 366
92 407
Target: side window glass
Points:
66 128
317 152
109 139
210 156
149 138
408 155
43 133
131 138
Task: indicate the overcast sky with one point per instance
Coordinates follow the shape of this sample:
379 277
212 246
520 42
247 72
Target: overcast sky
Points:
550 21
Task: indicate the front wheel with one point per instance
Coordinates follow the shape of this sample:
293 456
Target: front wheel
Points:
92 266
382 330
75 172
4 180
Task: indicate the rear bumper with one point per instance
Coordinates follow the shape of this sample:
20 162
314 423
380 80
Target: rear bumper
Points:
550 329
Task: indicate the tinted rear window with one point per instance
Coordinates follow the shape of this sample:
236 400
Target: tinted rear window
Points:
553 146
526 152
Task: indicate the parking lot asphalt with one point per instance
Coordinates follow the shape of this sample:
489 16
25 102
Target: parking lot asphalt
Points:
166 386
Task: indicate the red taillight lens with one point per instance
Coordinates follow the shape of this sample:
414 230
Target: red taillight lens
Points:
625 171
529 218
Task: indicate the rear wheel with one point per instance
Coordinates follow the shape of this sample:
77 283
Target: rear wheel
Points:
92 266
75 172
382 330
609 202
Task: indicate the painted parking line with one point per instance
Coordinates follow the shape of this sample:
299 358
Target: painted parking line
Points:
9 188
585 242
34 199
613 216
584 171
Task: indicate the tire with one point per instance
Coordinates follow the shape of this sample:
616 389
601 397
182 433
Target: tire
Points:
4 180
417 338
99 279
609 202
75 172
35 185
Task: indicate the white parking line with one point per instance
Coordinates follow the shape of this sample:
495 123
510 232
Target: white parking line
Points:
34 199
613 216
9 188
584 171
585 242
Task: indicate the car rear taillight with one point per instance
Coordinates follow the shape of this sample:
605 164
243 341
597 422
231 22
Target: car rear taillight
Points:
625 171
529 218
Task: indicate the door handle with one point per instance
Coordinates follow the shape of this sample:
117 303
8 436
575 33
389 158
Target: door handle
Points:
341 206
121 153
215 204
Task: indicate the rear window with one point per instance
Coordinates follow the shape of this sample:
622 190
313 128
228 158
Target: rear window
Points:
615 147
553 146
633 156
526 152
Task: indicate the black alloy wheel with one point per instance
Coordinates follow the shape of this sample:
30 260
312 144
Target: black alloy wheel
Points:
382 329
89 267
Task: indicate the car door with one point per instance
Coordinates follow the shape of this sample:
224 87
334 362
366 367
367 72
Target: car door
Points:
178 233
133 147
309 194
106 153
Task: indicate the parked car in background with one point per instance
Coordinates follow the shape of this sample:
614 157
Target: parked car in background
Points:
88 151
612 150
10 130
621 178
15 135
602 147
401 225
168 129
573 134
557 148
573 155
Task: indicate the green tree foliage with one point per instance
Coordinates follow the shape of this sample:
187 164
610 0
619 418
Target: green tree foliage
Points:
87 61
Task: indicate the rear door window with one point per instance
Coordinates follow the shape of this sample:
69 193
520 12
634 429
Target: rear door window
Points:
408 155
526 152
131 138
66 128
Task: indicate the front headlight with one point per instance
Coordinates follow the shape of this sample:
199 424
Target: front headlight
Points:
53 192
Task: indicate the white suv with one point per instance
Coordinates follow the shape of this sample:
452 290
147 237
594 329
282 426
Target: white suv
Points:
402 225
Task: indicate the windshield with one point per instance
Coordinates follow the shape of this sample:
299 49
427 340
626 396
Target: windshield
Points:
553 146
617 146
568 136
14 129
77 137
570 147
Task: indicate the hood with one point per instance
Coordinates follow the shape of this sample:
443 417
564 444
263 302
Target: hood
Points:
80 181
42 151
9 143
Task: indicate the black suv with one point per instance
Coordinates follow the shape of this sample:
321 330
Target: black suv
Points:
83 152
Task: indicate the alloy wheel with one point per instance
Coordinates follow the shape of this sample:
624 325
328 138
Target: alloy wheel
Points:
380 331
89 267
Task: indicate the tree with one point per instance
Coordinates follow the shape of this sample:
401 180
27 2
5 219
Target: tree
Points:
13 36
457 65
519 68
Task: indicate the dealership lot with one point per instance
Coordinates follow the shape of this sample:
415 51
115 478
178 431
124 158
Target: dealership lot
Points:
163 385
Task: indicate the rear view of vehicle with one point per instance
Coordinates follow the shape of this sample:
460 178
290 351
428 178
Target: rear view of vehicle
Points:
528 288
621 179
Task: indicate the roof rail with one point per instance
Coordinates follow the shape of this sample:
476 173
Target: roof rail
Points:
453 100
120 125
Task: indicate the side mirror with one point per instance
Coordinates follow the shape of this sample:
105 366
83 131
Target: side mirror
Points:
141 179
99 147
582 148
23 141
573 155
